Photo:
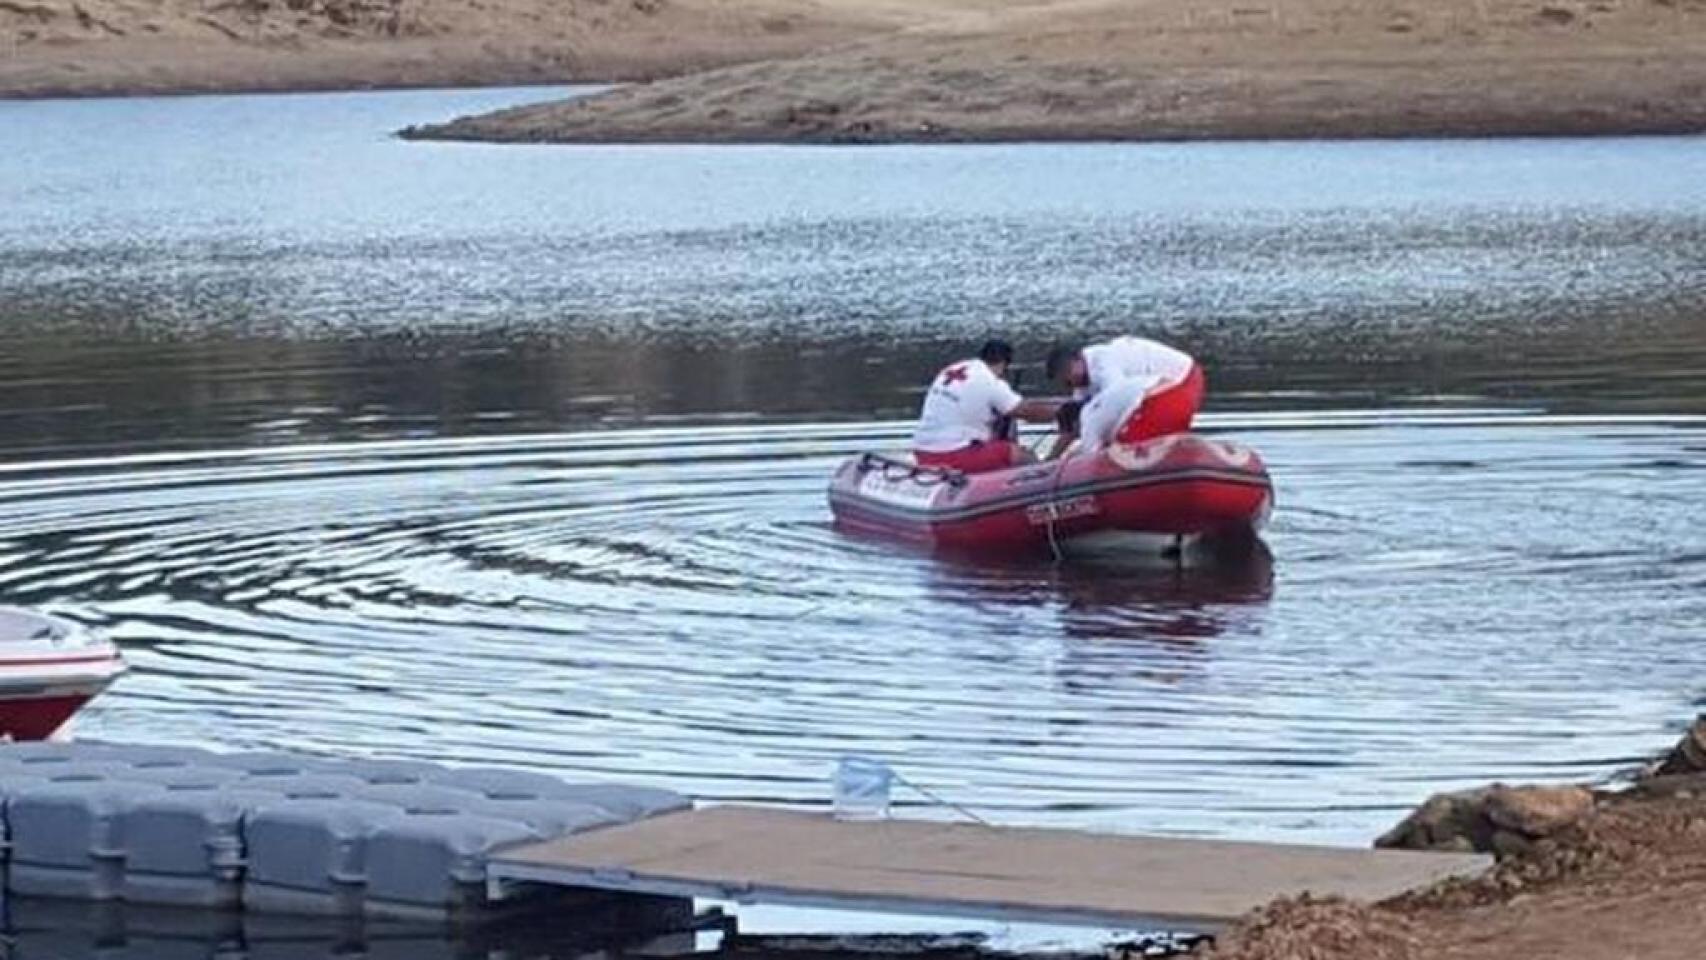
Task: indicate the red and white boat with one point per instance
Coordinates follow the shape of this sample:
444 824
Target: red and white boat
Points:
1166 492
49 668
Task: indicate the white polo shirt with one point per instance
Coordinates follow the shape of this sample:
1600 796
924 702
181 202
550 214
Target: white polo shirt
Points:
961 407
1108 410
1126 358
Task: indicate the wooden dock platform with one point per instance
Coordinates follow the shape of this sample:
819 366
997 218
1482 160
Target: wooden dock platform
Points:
762 855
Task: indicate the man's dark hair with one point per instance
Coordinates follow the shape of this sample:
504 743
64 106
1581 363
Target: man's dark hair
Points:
1059 359
996 351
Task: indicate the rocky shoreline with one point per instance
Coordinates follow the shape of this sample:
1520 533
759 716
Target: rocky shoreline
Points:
1580 871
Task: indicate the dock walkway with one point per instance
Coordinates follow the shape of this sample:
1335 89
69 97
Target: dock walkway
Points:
762 855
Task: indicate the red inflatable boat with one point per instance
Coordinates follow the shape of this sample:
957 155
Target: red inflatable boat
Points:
1166 491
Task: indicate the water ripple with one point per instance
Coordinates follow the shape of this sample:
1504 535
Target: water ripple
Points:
672 606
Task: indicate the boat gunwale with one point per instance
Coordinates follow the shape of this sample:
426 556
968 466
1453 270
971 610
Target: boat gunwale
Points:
937 516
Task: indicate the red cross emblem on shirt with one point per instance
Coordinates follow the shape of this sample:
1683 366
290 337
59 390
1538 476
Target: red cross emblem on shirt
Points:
954 375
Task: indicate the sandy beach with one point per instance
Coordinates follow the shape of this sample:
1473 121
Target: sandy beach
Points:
865 71
118 47
1099 70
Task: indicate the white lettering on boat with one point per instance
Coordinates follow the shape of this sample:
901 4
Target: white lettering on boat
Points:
1083 506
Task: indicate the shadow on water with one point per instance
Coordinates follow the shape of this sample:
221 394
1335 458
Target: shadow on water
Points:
47 929
183 295
1127 619
68 386
1183 602
1137 595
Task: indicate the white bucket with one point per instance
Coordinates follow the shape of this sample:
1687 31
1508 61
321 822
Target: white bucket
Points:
862 789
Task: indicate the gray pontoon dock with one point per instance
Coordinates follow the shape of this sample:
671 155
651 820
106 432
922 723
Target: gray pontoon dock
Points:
283 833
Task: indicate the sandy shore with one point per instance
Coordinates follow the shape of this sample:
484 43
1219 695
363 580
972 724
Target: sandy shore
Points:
1166 69
930 70
105 47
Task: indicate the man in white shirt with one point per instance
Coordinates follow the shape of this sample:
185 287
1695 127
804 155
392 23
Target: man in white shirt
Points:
957 427
1133 390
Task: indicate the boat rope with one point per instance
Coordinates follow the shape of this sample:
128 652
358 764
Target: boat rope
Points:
1148 946
1054 508
1054 491
1053 542
938 799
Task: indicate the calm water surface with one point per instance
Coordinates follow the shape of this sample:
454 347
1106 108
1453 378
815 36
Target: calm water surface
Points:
518 455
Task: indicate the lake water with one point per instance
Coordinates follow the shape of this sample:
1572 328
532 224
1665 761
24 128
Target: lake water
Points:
517 455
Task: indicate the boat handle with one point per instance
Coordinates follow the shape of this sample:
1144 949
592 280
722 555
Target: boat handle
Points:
918 474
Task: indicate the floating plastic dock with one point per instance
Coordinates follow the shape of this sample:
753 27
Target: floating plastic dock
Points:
758 855
55 929
279 832
287 834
